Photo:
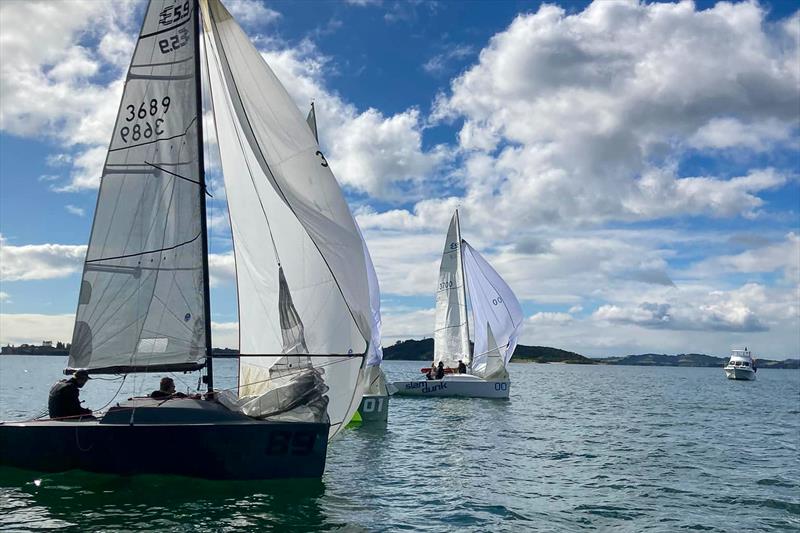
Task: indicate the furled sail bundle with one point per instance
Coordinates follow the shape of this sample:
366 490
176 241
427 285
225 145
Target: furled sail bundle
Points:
289 220
496 314
143 302
451 334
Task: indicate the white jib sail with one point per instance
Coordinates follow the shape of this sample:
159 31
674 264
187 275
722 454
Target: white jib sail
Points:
141 304
493 304
280 189
451 336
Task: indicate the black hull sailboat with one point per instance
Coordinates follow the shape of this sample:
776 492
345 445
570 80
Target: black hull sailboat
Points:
195 438
144 298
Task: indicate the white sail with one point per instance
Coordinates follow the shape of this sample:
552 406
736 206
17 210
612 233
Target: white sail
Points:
491 365
142 300
494 306
286 209
451 336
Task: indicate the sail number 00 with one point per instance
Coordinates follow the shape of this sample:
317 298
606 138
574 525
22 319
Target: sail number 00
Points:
145 109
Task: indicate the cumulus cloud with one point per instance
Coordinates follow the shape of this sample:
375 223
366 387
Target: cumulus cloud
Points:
221 268
580 118
781 256
39 261
58 84
380 155
249 12
550 319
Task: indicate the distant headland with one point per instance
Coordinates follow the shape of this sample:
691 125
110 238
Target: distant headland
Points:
422 350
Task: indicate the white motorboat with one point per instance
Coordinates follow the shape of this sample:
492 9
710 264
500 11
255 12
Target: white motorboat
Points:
497 319
741 365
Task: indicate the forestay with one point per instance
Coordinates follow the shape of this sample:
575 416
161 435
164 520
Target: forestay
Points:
451 336
286 209
494 308
142 299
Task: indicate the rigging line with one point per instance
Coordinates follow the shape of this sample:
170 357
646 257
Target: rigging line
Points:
228 102
145 252
181 177
285 199
155 140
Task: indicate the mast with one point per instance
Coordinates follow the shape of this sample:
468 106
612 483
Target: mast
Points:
463 280
202 190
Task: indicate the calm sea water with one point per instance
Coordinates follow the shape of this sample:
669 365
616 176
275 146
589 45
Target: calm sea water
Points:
575 448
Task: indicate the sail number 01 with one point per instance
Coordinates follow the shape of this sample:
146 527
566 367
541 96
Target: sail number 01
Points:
145 109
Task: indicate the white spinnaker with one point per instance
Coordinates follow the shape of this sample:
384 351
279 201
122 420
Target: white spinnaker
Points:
493 303
451 336
142 304
279 186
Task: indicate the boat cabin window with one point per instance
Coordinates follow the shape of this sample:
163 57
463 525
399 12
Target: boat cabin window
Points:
745 363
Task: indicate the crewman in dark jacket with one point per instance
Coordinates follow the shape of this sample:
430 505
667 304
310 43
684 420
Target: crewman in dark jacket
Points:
440 370
64 398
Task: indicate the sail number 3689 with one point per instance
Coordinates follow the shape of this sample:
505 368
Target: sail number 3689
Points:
144 130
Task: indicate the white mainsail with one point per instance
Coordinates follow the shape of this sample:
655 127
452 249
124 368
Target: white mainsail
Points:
143 298
496 312
288 211
451 336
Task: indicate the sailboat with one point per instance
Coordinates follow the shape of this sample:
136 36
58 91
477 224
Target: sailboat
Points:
374 405
497 323
304 296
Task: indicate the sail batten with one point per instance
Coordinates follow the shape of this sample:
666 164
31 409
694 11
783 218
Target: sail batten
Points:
143 303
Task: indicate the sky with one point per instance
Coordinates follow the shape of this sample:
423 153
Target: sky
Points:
632 169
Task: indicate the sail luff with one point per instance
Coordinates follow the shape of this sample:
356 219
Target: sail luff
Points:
202 192
463 284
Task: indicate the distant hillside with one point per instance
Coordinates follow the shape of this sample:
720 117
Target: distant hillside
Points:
545 354
412 350
689 360
409 350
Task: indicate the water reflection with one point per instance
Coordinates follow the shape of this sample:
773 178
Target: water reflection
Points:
90 501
